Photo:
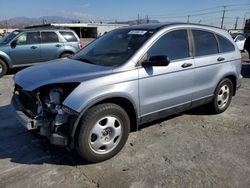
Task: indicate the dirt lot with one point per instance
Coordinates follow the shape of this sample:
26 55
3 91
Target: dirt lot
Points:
192 149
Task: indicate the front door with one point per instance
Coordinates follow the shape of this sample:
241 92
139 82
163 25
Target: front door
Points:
27 49
164 89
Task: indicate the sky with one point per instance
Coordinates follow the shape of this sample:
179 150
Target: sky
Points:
198 11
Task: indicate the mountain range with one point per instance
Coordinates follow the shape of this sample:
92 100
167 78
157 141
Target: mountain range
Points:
21 22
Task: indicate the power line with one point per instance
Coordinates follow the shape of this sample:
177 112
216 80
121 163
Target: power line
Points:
202 10
237 5
194 11
198 15
190 15
235 10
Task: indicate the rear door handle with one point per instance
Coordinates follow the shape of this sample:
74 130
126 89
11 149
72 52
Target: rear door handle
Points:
220 59
33 47
58 45
185 65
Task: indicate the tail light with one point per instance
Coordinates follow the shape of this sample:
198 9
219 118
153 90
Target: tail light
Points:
80 46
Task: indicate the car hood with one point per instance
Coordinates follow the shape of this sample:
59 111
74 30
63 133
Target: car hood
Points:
58 71
3 44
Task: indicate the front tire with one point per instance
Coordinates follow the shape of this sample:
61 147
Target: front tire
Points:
103 133
222 96
3 68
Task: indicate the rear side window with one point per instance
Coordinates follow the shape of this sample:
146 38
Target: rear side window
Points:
49 37
68 36
173 44
205 43
33 38
225 44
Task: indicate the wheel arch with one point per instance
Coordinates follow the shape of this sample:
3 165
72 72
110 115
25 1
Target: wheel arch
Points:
233 79
121 101
65 52
6 61
127 105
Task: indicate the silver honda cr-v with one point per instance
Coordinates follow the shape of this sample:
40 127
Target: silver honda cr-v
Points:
125 78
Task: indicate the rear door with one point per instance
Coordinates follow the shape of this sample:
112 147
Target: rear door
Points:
27 49
166 88
208 63
51 47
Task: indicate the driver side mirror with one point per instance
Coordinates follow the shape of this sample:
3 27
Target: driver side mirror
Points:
13 44
160 60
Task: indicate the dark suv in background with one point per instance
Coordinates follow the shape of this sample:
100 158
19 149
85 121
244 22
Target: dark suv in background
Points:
24 47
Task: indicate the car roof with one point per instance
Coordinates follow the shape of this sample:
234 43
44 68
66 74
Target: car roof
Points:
42 29
158 26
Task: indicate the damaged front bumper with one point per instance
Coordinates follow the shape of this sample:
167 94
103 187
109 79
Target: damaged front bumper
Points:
23 119
40 126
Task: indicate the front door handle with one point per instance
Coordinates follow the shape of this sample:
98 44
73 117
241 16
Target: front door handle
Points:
185 65
220 59
33 47
58 45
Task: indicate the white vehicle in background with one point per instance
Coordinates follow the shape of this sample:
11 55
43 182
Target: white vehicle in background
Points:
240 41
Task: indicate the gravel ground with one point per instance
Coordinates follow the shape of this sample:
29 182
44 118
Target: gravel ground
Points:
192 149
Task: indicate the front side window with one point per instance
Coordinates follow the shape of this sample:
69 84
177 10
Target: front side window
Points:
49 37
174 45
22 39
114 48
205 43
225 45
28 38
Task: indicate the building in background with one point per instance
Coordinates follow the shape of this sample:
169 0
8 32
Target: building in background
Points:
83 30
3 31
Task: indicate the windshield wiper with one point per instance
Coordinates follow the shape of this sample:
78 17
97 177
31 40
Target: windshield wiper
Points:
83 59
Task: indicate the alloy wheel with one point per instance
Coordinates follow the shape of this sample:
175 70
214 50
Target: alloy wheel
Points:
223 96
105 135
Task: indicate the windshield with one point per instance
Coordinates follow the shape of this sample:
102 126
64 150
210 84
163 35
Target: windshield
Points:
113 48
7 38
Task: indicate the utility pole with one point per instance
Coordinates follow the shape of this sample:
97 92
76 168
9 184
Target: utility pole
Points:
6 25
236 22
223 16
138 19
147 19
188 19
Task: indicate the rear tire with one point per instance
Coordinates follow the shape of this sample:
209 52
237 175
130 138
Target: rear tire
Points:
222 96
3 68
66 54
103 133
